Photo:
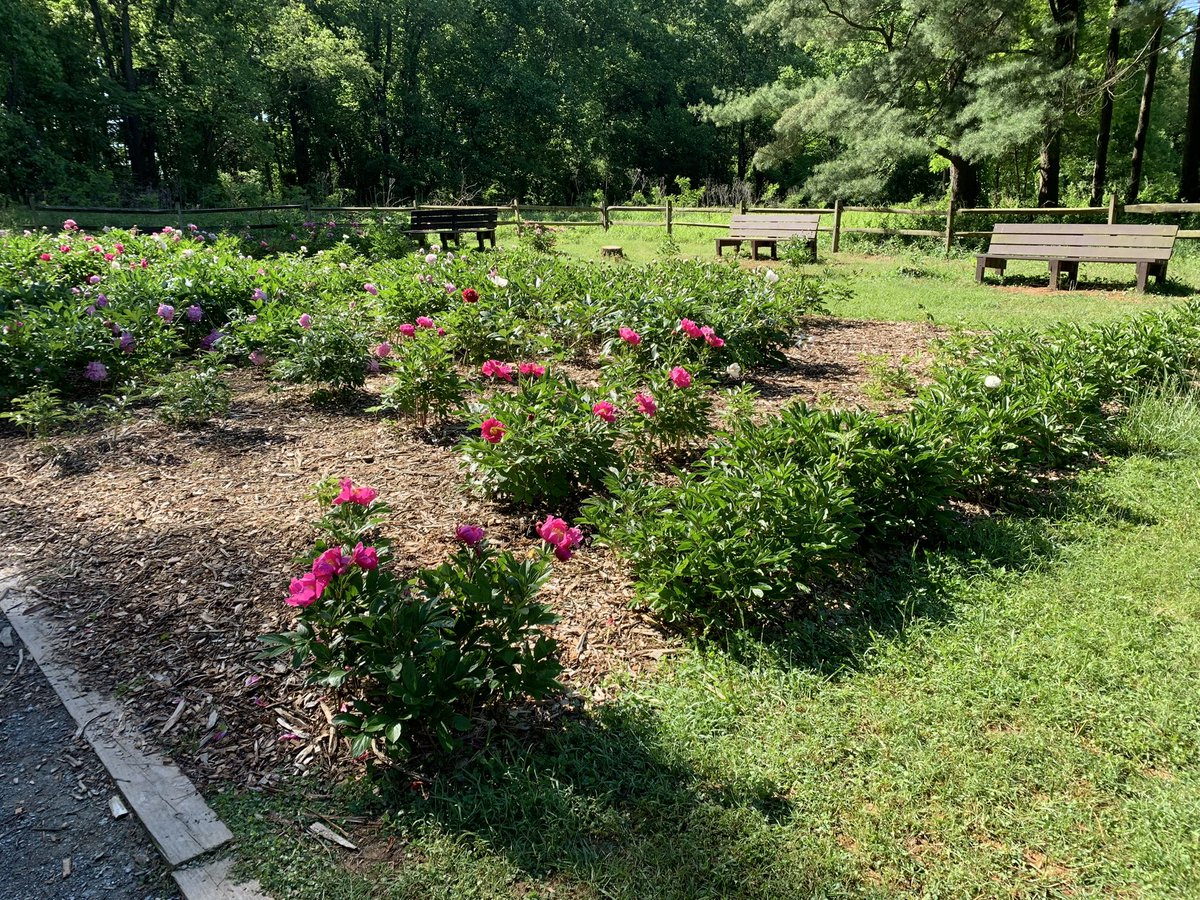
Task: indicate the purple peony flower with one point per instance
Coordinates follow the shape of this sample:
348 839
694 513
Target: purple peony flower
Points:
194 313
95 371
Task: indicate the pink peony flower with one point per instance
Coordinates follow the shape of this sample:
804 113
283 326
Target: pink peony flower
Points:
330 564
532 369
408 329
711 337
450 288
605 410
145 263
470 295
108 257
305 321
441 332
166 312
120 248
493 368
45 257
384 350
94 279
365 557
646 404
562 537
690 328
304 590
258 358
629 336
492 430
95 371
351 494
680 377
430 259
64 248
70 225
371 289
425 321
471 535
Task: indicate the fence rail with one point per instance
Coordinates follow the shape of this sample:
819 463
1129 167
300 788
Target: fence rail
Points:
514 215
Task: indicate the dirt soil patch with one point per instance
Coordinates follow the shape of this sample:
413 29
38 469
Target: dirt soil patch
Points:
164 554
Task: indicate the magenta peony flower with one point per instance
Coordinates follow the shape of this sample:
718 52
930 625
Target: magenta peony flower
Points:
493 368
441 332
95 371
680 377
646 404
408 330
561 536
119 247
532 369
492 430
305 321
690 328
605 410
371 289
194 313
330 564
711 337
629 336
365 557
384 350
351 494
470 295
45 257
304 590
471 535
425 321
166 312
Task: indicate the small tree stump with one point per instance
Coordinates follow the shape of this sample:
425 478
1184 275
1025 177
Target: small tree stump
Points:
615 252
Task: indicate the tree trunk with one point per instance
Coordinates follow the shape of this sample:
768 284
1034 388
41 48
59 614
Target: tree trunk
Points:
1104 130
1049 165
1066 39
965 186
1189 181
742 154
1143 122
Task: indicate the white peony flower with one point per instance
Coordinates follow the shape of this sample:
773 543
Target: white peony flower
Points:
771 276
992 382
733 370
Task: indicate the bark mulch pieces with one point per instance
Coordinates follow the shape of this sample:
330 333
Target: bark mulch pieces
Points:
163 555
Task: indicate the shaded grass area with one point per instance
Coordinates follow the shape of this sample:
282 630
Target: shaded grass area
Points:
1014 715
918 281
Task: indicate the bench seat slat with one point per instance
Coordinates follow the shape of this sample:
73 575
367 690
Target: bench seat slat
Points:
1082 254
1121 241
1063 228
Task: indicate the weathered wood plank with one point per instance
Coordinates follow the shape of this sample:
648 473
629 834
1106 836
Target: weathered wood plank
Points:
178 820
1062 228
214 881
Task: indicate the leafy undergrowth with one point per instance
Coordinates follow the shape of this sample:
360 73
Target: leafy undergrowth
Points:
1012 716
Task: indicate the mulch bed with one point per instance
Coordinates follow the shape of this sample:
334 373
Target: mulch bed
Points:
163 555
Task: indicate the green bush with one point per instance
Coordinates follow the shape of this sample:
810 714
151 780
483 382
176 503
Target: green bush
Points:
191 395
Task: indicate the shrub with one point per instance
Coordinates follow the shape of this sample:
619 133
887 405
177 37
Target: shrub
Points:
545 444
191 395
39 413
328 349
424 380
414 658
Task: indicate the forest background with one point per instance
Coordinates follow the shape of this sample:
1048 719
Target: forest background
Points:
227 102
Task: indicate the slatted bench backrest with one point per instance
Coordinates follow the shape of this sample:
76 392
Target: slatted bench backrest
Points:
1085 243
776 226
464 219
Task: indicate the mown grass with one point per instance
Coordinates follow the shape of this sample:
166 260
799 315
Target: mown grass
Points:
1014 715
918 281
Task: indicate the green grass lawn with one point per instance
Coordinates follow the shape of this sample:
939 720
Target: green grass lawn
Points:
1013 716
894 282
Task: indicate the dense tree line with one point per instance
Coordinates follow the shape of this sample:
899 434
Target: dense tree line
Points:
380 101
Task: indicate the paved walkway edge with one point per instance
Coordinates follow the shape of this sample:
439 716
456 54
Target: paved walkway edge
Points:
174 814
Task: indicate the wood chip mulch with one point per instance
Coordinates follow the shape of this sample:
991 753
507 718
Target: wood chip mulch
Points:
163 555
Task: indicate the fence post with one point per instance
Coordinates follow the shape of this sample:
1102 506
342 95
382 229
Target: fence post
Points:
604 213
837 225
516 207
1112 209
669 216
950 210
179 215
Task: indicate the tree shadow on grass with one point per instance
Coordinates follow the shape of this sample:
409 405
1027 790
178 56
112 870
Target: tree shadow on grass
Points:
603 808
890 593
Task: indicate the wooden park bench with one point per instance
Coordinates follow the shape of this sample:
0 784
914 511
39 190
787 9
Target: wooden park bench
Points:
1064 246
768 229
450 222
